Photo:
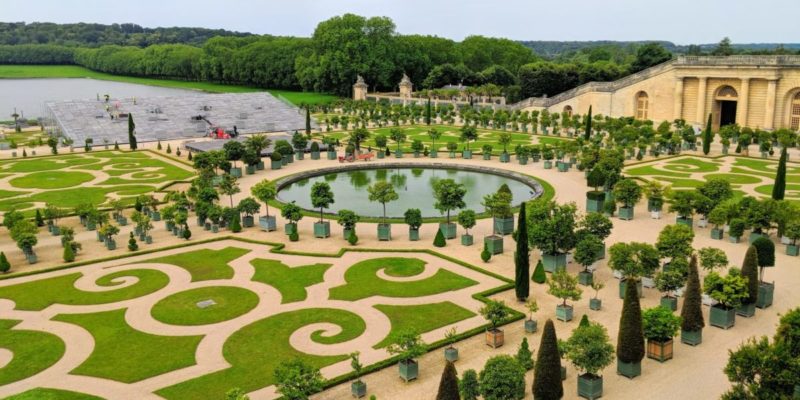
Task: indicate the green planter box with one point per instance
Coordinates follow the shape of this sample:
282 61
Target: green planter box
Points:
466 240
670 303
765 293
384 232
466 154
267 223
548 164
494 244
625 213
413 234
733 239
381 154
346 233
398 154
717 234
214 228
236 172
448 230
322 229
553 262
590 386
585 278
207 226
692 338
417 154
722 317
746 310
289 158
595 304
284 160
299 154
31 258
315 155
409 370
505 157
755 236
248 221
688 221
523 161
331 155
623 285
111 244
451 154
531 326
358 389
290 228
562 166
792 250
629 370
451 354
155 216
504 226
275 164
487 156
260 165
250 169
595 201
564 313
433 154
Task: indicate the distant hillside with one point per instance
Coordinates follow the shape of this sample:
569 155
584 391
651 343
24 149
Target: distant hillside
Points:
553 49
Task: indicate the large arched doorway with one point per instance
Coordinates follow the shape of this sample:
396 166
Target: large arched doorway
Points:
725 102
794 119
642 104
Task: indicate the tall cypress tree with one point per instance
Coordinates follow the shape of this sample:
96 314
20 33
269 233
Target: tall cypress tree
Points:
522 257
131 135
448 385
779 188
308 120
630 341
708 136
750 271
428 112
547 370
692 309
588 133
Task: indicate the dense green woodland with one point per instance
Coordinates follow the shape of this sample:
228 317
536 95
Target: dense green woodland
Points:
340 49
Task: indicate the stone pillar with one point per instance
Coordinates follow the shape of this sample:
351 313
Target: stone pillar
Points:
701 101
743 105
678 101
769 114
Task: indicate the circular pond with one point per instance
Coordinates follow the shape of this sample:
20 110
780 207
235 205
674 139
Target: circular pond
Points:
413 185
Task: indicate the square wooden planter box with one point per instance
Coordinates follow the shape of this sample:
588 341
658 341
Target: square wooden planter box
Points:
299 154
548 164
553 262
717 234
290 228
504 226
595 304
248 221
315 155
594 201
625 213
358 389
692 338
322 229
746 310
755 236
623 285
629 370
722 317
688 221
494 338
659 351
433 154
562 166
466 240
384 232
275 164
531 326
523 160
451 354
585 278
413 234
466 154
505 157
267 223
236 172
792 250
733 239
766 291
494 244
409 370
448 230
670 303
398 154
332 155
487 156
590 386
564 313
250 169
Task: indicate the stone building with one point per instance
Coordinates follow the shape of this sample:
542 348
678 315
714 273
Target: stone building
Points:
756 91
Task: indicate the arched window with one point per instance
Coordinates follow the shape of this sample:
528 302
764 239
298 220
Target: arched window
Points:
641 105
727 93
795 118
567 110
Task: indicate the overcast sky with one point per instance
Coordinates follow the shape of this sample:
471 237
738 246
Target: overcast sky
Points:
679 21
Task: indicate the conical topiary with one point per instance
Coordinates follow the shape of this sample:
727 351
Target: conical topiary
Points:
750 271
692 311
539 276
547 371
69 253
779 188
5 266
169 149
236 223
522 257
185 232
159 145
189 156
584 320
448 385
524 355
468 386
439 241
630 341
39 220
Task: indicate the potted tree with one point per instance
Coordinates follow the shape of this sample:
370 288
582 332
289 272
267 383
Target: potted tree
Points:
736 230
531 325
632 261
551 228
598 225
449 196
595 197
358 388
499 206
504 138
692 321
451 149
276 160
486 151
234 150
548 155
348 220
565 287
628 193
660 325
667 282
466 218
630 339
468 134
681 202
314 151
285 149
299 142
589 349
322 198
383 192
417 147
750 272
265 191
793 233
595 303
330 145
729 292
380 143
450 352
399 138
251 160
413 217
23 232
108 231
495 312
292 213
249 207
766 259
718 217
522 155
655 198
587 252
434 134
407 345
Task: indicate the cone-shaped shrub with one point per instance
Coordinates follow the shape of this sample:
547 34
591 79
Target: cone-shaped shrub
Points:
539 276
524 355
547 372
692 310
448 385
5 266
468 387
522 262
779 188
630 342
584 320
439 241
236 223
750 271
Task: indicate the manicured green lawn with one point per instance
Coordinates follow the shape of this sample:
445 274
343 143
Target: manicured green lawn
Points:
51 394
290 282
73 71
690 164
34 351
792 191
257 349
124 354
362 281
647 170
421 318
204 264
181 308
39 294
735 179
51 180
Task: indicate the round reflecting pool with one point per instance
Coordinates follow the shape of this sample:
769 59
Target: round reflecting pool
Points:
413 185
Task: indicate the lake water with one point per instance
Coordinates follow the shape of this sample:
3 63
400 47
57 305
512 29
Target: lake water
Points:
28 95
413 185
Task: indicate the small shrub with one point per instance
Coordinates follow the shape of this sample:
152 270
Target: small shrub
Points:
294 236
485 254
5 266
352 238
439 241
524 355
132 245
539 276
